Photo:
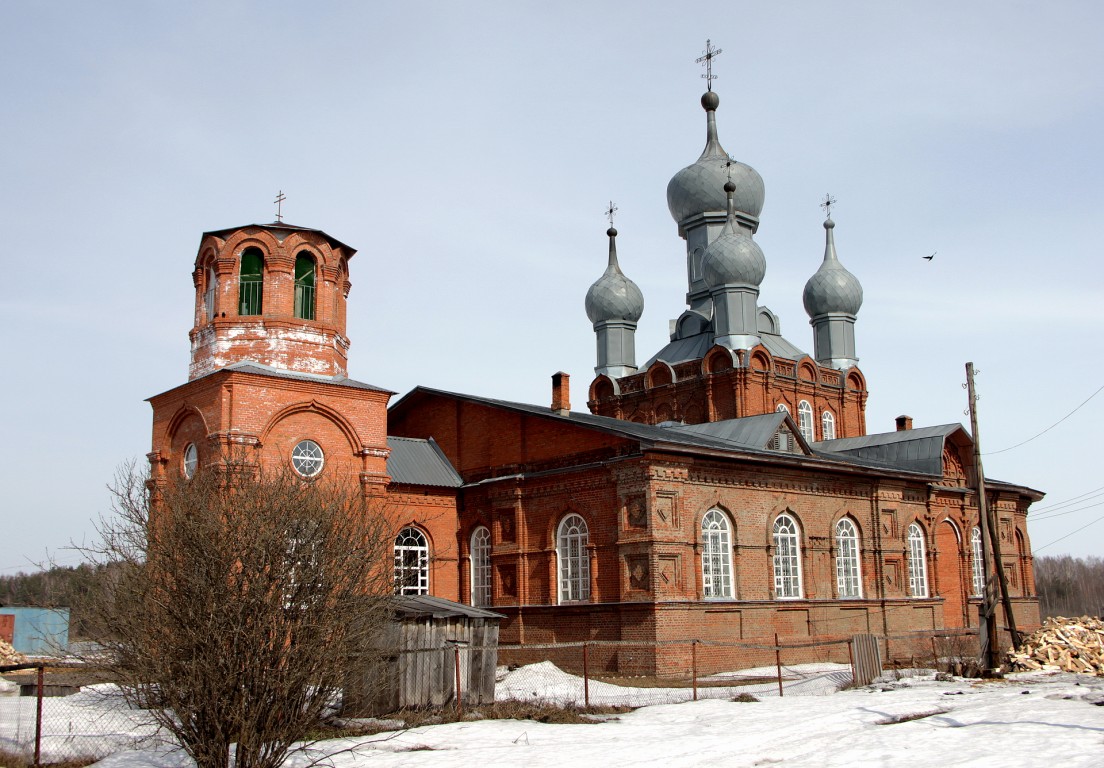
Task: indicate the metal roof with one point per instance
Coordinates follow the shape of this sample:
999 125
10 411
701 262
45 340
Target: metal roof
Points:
918 450
438 608
248 366
749 432
694 348
279 225
420 462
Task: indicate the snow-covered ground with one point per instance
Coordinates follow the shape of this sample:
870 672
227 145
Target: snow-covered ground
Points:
1036 719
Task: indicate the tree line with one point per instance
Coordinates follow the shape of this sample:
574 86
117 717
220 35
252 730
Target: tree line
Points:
1069 586
60 586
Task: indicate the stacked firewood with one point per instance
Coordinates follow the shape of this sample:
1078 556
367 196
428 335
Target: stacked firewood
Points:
1070 645
9 655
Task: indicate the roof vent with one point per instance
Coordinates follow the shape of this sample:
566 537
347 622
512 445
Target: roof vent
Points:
561 393
904 423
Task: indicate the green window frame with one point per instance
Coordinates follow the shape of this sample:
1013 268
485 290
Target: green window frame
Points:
251 282
304 286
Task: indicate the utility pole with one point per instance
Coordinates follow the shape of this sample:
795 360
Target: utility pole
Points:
987 631
990 535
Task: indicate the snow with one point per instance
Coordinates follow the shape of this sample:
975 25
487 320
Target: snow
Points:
1027 719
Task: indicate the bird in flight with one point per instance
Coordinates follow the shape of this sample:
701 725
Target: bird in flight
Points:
929 258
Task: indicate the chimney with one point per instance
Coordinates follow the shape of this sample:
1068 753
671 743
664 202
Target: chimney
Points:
561 393
903 423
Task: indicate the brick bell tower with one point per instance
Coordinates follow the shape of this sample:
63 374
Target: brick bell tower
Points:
267 377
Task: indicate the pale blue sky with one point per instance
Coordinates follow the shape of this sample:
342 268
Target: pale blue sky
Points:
468 151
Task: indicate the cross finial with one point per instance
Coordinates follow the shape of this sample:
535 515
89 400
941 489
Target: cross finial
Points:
612 209
829 201
279 201
707 59
729 163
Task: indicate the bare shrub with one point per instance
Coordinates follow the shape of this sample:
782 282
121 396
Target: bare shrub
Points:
238 602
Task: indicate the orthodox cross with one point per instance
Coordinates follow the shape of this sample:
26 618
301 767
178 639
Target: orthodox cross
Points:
279 201
728 163
829 201
707 59
610 211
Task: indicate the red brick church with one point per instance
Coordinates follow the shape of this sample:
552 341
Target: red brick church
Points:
726 489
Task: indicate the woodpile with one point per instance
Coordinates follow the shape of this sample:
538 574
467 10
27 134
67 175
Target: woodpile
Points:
9 655
1069 645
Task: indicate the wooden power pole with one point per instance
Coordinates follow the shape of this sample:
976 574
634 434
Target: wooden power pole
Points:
990 542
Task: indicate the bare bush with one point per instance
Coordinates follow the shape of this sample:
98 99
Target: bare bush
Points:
239 601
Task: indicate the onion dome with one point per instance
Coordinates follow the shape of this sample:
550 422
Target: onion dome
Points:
832 289
614 296
696 189
733 257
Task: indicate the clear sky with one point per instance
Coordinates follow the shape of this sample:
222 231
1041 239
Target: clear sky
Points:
468 150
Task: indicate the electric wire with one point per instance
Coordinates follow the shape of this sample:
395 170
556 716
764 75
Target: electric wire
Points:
1062 538
1052 515
1066 502
1052 426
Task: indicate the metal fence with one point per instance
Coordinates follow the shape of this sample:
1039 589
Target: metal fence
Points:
41 727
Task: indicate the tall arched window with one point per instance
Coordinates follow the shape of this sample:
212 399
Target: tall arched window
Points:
411 563
827 426
917 565
787 558
781 441
250 282
573 559
209 291
805 421
716 555
304 286
977 567
481 566
848 565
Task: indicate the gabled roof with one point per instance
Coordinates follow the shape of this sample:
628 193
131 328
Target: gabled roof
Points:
420 462
279 226
248 366
749 432
918 450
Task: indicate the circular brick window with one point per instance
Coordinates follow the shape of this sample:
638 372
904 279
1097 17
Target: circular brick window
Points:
191 460
307 458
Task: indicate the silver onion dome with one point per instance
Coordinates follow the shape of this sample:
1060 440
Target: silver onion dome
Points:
733 258
832 289
614 296
697 188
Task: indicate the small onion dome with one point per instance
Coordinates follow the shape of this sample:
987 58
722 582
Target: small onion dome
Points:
733 257
832 289
696 189
614 296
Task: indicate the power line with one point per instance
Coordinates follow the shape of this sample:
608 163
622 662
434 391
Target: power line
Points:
1066 502
1083 527
1052 426
1066 512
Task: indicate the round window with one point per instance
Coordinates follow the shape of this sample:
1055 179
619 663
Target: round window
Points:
307 458
191 460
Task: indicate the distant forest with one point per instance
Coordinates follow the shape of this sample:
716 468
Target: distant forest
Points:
1067 586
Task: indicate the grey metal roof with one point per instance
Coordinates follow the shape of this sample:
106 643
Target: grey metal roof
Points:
278 226
694 348
248 366
438 608
918 450
420 462
780 347
748 432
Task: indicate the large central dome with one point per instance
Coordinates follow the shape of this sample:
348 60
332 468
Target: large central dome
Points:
699 188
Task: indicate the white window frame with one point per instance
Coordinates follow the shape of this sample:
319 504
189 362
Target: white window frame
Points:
917 562
573 559
805 421
190 460
411 562
827 426
977 569
480 560
307 458
781 441
787 558
848 560
716 535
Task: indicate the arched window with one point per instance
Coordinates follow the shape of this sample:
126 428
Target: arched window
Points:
573 559
411 563
781 440
191 460
787 558
304 286
481 566
977 566
782 408
307 458
250 282
805 421
209 292
716 555
917 565
848 567
827 426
